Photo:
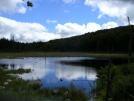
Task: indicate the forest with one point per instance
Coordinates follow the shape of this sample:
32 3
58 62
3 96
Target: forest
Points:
114 40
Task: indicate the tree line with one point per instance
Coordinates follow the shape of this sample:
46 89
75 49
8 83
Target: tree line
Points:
115 40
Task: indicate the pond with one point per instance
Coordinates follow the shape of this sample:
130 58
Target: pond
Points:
56 71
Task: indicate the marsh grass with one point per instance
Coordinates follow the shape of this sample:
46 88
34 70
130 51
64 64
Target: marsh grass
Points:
6 74
10 84
63 54
71 92
5 96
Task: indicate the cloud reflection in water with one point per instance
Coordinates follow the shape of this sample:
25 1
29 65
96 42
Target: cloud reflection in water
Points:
75 72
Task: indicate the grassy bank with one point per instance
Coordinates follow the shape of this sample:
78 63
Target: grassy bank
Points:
63 54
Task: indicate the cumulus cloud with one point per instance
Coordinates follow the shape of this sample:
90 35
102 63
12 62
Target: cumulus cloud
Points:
113 8
24 32
109 25
29 32
69 29
73 29
92 27
12 6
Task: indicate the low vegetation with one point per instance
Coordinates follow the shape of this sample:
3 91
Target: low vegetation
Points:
115 83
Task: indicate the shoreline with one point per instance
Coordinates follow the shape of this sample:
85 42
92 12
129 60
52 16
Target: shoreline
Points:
64 54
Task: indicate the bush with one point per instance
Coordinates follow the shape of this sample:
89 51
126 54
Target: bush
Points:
121 81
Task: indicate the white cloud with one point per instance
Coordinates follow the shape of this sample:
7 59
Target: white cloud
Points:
73 29
113 8
92 27
69 29
29 32
51 21
109 25
22 10
12 6
24 32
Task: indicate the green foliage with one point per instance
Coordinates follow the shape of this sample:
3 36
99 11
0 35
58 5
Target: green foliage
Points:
71 92
121 84
76 94
35 86
5 74
13 96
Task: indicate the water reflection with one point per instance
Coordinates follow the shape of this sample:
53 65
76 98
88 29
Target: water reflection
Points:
52 73
75 72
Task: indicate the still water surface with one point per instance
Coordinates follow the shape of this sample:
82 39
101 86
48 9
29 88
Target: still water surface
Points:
53 72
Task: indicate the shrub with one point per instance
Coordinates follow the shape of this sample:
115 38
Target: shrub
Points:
121 81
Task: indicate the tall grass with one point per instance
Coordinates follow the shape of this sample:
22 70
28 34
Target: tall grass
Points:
62 54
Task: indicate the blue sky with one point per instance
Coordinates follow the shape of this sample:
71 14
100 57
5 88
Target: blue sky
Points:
54 19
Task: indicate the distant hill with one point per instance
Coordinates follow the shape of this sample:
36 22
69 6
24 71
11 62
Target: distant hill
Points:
115 40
